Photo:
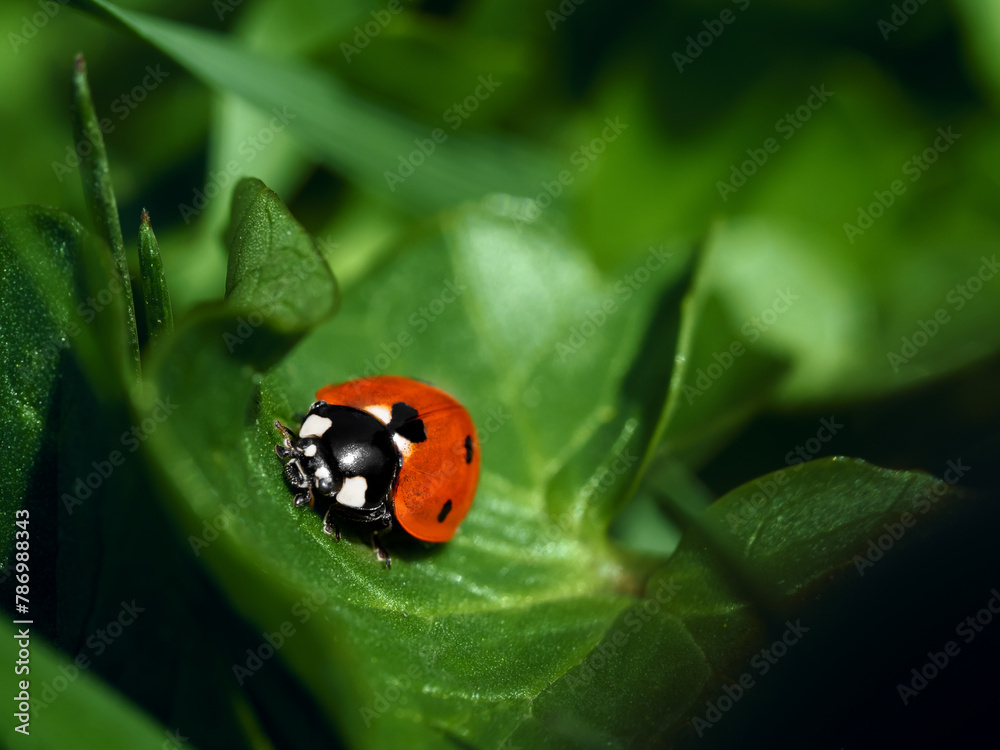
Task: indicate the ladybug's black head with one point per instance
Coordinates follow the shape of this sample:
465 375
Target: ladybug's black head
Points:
309 463
341 454
319 467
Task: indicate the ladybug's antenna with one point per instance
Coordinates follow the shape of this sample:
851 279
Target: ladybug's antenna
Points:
284 431
287 450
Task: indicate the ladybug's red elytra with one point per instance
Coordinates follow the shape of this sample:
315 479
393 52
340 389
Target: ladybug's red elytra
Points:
381 449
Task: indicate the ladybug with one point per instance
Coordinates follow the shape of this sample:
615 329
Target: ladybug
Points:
384 449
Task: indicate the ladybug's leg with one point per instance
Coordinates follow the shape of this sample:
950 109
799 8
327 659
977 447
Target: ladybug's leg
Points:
380 552
330 526
305 498
295 476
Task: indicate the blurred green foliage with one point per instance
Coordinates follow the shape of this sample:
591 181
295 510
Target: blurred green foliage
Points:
682 234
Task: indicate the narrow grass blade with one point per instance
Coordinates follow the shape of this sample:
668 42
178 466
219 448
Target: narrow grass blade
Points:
99 193
155 297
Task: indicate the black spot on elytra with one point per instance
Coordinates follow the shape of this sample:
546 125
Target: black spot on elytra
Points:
402 412
445 510
413 431
405 423
468 449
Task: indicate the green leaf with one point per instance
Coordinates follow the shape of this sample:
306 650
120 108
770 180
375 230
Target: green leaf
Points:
982 29
155 298
99 194
530 628
39 250
73 462
506 630
806 531
509 320
776 318
65 366
492 635
721 377
354 136
90 493
49 264
861 297
278 286
274 262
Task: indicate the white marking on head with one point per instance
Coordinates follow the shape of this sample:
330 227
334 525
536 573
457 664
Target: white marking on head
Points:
382 413
352 494
403 445
314 426
310 450
322 472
